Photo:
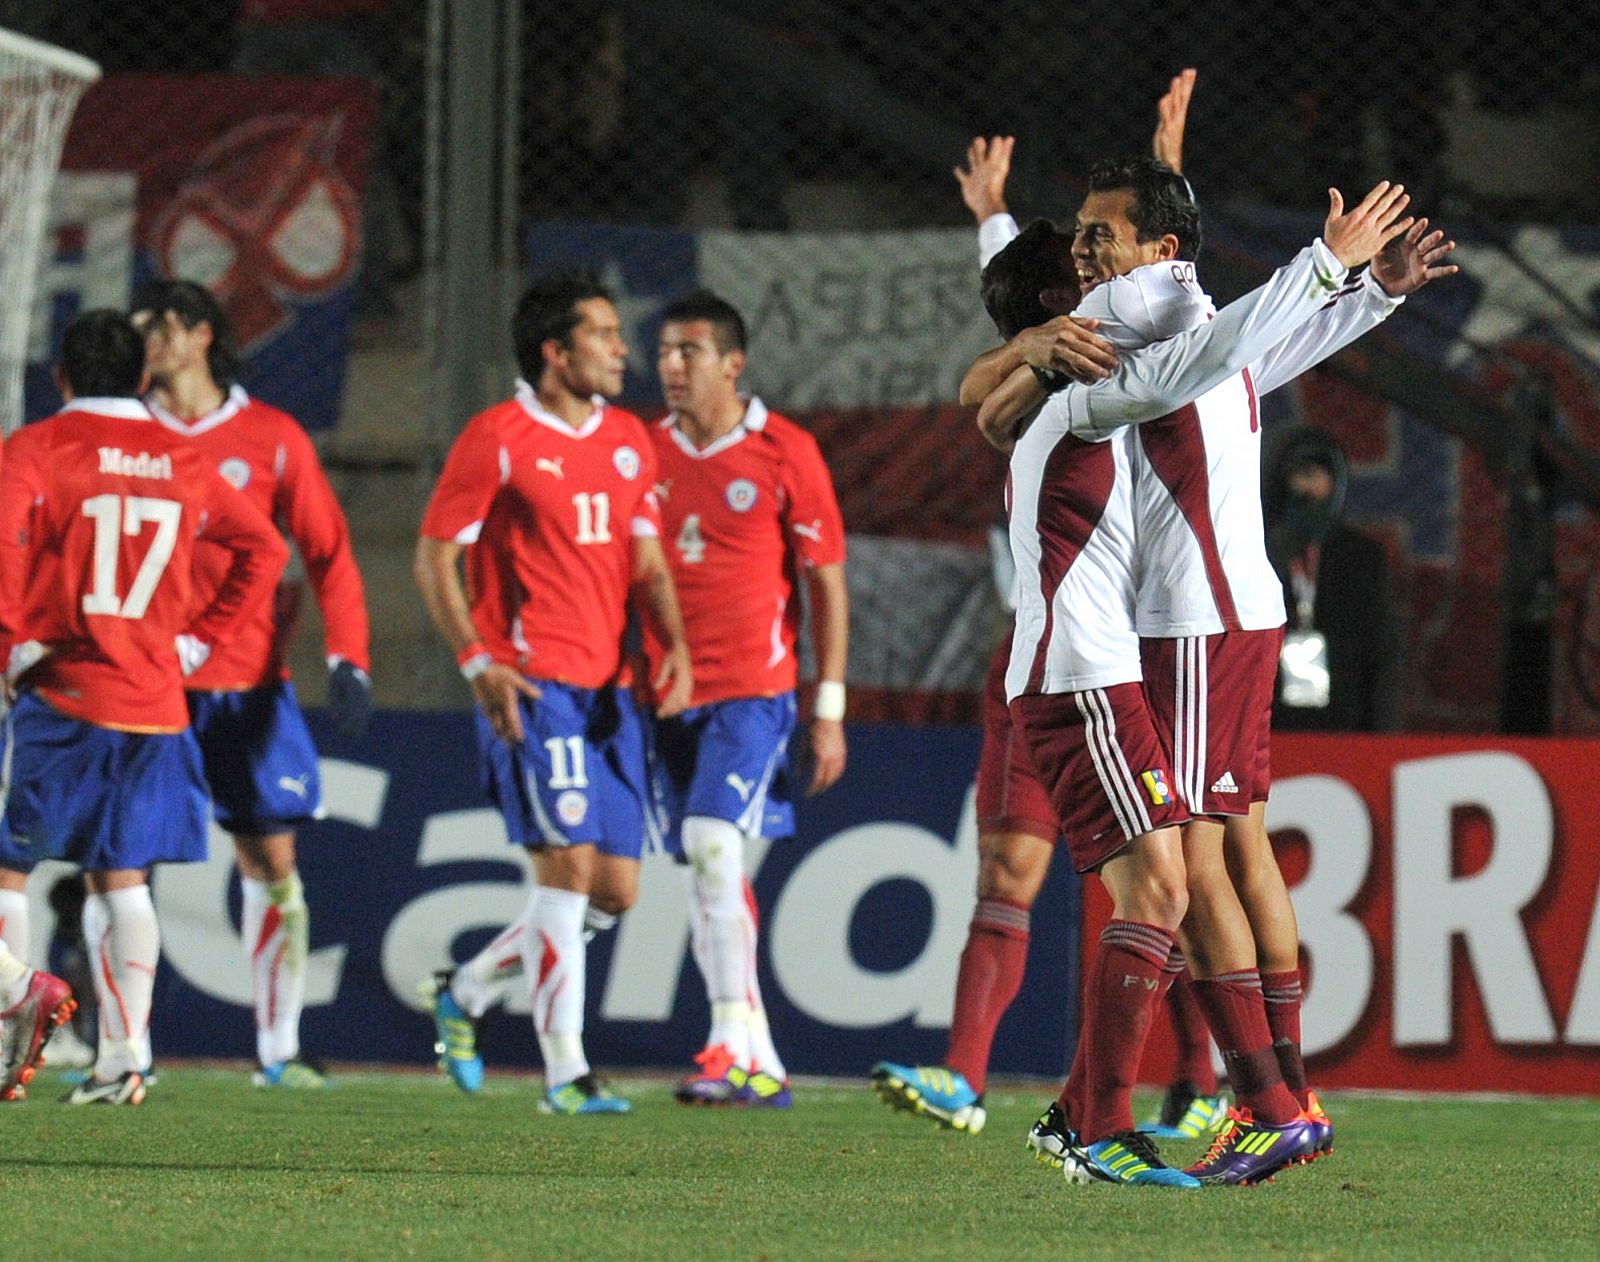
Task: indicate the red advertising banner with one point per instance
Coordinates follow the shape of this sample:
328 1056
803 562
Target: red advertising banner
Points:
1448 893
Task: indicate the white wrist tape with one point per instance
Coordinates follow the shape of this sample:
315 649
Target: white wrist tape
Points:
830 701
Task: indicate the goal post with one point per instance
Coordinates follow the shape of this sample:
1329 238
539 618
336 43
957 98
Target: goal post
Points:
40 85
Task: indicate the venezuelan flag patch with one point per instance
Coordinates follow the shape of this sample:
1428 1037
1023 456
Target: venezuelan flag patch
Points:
1155 784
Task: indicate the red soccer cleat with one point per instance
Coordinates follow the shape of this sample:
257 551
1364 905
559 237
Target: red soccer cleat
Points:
26 1027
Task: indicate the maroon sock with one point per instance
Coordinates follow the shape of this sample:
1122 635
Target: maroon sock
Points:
1281 992
989 978
1238 1019
1193 1037
1121 991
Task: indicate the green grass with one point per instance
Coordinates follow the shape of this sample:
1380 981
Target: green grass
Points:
400 1166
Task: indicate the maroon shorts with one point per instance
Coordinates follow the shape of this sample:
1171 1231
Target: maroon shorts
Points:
1210 698
1010 797
1108 774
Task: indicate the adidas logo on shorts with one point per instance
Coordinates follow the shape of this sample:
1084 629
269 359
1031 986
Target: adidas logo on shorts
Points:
1225 784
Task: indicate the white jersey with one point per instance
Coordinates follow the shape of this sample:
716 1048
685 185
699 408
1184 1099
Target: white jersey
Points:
1202 564
1071 483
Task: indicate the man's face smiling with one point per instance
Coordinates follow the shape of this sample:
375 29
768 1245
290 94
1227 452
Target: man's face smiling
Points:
1107 244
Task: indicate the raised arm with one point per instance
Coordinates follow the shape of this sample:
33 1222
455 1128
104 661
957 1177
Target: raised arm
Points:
1172 116
1402 267
1165 375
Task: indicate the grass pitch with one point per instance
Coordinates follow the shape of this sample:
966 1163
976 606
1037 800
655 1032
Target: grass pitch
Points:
403 1166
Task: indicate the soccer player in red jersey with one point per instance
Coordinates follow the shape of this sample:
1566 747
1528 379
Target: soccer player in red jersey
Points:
260 761
550 495
103 611
748 509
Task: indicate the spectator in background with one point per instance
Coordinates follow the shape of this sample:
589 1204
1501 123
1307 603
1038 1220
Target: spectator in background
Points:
1339 670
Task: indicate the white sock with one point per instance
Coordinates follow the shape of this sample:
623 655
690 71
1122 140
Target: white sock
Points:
14 922
716 852
276 929
763 1055
481 982
14 978
124 946
597 922
553 955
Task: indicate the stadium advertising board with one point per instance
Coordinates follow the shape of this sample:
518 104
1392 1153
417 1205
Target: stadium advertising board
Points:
252 186
866 914
1448 893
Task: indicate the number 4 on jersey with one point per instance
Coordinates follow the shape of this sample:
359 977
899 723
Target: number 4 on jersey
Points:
690 542
113 517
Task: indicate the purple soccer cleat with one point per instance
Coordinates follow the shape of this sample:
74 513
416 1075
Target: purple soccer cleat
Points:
1247 1151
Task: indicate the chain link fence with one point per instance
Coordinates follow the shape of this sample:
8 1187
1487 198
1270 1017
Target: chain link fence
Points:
796 155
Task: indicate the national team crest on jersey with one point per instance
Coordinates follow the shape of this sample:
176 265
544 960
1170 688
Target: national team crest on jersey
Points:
627 461
572 806
235 472
1155 784
741 495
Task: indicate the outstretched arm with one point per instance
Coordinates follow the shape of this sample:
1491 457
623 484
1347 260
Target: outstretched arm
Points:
1172 116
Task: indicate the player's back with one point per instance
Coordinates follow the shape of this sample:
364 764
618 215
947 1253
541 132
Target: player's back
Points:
110 504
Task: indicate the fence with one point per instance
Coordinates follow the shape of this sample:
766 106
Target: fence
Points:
370 234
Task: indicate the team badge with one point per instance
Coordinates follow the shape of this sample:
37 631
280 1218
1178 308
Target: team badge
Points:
1155 784
235 472
572 806
627 461
741 495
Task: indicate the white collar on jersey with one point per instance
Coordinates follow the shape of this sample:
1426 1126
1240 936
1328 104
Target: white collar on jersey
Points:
753 422
233 403
106 405
536 410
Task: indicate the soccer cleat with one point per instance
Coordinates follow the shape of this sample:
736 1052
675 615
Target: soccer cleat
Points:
128 1089
762 1091
1050 1138
1186 1115
719 1081
299 1074
582 1095
456 1041
1322 1129
1128 1158
931 1091
1246 1152
26 1027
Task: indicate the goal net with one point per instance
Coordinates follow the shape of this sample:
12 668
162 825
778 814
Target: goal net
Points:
39 87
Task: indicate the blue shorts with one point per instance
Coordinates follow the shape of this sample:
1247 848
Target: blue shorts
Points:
102 799
578 777
727 760
260 761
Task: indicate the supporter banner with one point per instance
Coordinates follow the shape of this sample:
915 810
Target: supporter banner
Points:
1447 895
865 914
251 186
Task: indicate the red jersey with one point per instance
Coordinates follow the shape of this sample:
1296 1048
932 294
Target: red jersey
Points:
740 517
264 453
102 514
552 512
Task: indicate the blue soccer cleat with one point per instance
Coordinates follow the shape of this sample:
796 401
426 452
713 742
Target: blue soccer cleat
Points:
1127 1158
1247 1152
582 1096
1187 1115
299 1074
456 1041
931 1091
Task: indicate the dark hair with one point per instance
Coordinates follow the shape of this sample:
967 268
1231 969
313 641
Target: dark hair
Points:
194 304
102 356
549 309
1163 202
1034 260
727 325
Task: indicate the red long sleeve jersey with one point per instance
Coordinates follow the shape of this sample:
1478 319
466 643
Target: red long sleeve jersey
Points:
740 518
264 453
103 514
551 512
